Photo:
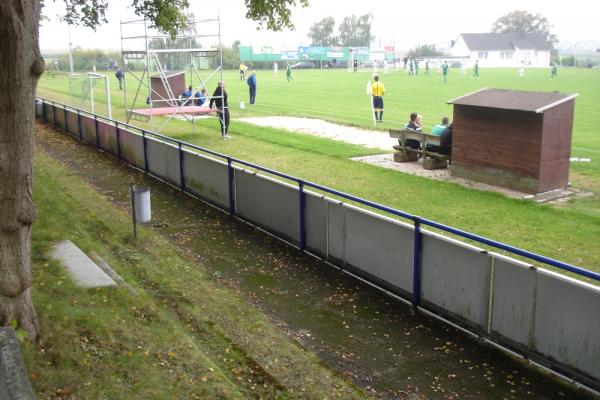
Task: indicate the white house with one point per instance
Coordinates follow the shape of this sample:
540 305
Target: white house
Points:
503 49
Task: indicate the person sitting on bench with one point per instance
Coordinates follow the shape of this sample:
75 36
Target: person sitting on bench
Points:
440 128
437 131
414 125
185 97
446 141
200 97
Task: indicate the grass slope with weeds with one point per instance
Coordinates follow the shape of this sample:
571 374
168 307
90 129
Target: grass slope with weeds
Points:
182 336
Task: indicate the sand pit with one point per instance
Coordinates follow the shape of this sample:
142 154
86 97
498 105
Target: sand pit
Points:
317 127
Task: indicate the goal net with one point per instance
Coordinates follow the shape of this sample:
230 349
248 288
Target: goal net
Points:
90 92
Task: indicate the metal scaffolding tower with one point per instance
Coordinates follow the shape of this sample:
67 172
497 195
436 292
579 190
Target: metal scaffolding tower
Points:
148 55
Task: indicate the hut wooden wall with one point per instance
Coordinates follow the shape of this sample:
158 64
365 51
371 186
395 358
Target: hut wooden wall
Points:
177 83
556 146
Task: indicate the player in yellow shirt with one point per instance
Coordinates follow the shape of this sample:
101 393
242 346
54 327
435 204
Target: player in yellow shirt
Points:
377 90
243 69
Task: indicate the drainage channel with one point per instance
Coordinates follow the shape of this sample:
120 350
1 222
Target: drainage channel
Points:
370 338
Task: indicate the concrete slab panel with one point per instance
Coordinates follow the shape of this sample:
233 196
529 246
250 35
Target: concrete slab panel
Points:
73 124
14 380
48 112
108 137
268 202
89 129
455 276
207 178
375 244
567 327
60 118
336 229
316 222
83 270
513 299
132 147
163 160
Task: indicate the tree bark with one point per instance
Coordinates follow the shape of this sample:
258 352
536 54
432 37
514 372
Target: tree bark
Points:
21 65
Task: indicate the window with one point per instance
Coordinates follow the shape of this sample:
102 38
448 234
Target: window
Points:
506 55
482 54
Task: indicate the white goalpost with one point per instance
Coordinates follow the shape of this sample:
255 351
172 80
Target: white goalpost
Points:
82 88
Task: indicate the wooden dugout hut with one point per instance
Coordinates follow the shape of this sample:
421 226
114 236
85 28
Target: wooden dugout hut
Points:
176 81
514 139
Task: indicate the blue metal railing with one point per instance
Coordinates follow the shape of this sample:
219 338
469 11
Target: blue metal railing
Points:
417 221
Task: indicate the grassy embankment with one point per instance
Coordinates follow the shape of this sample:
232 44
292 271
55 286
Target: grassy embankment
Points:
563 231
181 336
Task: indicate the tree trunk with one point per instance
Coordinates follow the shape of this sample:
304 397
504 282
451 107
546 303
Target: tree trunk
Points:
20 68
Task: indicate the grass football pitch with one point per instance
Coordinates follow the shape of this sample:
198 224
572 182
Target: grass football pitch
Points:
567 231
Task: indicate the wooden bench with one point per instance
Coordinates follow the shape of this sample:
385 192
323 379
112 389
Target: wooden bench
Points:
431 160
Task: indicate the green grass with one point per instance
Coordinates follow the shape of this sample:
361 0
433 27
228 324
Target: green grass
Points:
182 336
565 232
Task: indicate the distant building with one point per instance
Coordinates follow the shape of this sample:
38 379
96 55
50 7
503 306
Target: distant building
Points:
503 49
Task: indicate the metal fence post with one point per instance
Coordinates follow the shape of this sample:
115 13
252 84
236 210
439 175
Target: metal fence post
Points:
54 114
181 171
118 138
80 131
302 203
145 151
66 120
416 297
96 128
230 179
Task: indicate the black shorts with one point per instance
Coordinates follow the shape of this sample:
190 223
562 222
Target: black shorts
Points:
378 102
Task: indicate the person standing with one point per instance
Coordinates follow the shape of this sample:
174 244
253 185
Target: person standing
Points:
427 67
243 69
553 71
377 90
416 67
355 65
445 71
218 101
275 69
411 66
476 70
119 74
522 70
288 73
251 81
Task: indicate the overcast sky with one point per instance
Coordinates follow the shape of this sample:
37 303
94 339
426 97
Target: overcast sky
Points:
404 24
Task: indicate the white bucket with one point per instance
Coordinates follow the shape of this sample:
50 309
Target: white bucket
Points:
242 105
143 213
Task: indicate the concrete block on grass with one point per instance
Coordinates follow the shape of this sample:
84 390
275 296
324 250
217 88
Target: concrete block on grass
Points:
83 270
14 381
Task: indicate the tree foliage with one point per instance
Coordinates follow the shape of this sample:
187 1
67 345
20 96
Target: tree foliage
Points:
321 33
274 14
356 31
523 21
424 51
165 15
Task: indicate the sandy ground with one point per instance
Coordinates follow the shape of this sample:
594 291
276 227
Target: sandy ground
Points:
317 127
381 140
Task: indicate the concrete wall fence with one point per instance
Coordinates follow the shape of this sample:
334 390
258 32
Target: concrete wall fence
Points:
547 317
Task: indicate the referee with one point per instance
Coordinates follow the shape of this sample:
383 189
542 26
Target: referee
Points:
378 90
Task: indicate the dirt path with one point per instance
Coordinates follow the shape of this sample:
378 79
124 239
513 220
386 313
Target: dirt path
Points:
366 336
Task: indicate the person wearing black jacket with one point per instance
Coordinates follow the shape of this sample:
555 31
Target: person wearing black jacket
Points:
219 102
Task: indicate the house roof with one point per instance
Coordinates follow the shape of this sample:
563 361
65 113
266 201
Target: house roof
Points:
505 41
506 99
